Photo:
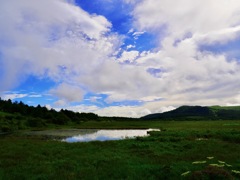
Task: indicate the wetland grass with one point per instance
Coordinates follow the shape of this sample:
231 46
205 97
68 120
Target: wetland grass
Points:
167 154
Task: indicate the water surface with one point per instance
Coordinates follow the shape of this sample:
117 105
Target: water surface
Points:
86 135
107 135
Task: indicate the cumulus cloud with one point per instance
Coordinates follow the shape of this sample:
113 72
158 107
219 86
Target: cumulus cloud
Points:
78 51
128 56
120 82
68 93
11 96
186 74
186 16
81 108
124 111
50 38
132 111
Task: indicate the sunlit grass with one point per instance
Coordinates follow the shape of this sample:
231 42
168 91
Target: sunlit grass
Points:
186 173
199 162
212 168
210 157
236 172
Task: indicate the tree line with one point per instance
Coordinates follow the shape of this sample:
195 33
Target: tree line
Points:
53 116
19 115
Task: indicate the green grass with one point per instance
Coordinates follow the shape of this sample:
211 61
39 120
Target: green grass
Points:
225 107
170 125
163 155
4 113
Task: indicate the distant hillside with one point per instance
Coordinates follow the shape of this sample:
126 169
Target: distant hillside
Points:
198 113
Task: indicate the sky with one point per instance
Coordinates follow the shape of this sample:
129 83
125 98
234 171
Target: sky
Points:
124 58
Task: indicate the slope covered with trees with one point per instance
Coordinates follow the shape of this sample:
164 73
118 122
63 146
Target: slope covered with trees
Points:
198 113
17 115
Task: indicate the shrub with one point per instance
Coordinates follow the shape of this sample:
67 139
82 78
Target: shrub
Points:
35 122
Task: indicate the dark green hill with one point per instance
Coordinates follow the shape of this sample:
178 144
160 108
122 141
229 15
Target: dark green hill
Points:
226 113
198 113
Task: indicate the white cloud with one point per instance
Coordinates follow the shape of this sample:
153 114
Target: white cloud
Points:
123 111
150 98
60 103
130 46
186 16
187 75
35 95
131 111
52 38
138 33
82 108
128 56
120 82
76 49
68 93
13 96
48 106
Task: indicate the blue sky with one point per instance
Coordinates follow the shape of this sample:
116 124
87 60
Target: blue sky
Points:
120 57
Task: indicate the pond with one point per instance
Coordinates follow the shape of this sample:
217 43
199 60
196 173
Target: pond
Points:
107 135
86 135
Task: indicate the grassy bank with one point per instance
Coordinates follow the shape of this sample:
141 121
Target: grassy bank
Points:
170 125
183 150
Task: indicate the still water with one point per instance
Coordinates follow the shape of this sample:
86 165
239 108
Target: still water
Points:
107 135
86 135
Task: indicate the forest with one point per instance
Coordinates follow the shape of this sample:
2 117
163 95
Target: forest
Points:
17 115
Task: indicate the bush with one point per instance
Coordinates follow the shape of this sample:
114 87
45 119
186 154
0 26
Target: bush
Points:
35 122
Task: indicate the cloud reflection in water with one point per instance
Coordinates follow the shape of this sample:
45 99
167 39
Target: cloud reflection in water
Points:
107 135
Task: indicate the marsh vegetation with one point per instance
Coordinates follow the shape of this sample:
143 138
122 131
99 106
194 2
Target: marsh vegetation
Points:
168 154
199 148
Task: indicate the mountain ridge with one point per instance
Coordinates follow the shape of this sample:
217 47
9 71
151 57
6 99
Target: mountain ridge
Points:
198 113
